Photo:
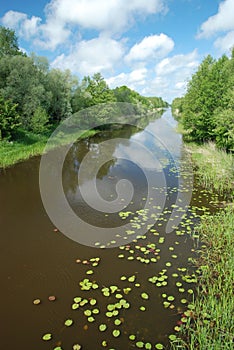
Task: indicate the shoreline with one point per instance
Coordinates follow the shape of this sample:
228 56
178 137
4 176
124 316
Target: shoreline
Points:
210 323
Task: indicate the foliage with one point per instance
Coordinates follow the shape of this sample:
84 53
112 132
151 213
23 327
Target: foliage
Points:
8 43
207 110
9 118
39 121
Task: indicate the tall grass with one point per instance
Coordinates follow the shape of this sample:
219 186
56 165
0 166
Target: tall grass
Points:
211 325
214 168
28 145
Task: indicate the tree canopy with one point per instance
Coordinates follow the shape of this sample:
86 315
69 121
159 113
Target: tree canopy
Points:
207 109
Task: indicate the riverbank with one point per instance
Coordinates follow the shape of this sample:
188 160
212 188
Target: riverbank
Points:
28 145
210 323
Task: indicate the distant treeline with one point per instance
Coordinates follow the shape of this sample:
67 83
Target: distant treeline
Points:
207 109
35 98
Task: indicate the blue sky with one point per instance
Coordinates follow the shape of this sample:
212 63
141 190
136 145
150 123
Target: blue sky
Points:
152 46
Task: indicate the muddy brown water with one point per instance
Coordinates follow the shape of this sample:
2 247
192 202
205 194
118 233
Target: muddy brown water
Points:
37 261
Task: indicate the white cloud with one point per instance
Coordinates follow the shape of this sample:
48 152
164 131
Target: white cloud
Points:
172 74
63 17
225 43
91 56
223 21
110 16
26 27
151 47
133 80
178 63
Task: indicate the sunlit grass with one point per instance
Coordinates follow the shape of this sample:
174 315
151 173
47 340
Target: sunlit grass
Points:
211 326
215 168
28 145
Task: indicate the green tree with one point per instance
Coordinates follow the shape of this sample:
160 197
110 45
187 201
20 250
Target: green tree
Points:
9 118
39 121
8 43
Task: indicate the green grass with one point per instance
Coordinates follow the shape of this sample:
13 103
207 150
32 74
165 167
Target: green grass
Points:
28 145
214 168
211 324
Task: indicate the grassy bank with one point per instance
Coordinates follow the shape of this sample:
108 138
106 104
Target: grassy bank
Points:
28 145
214 168
210 325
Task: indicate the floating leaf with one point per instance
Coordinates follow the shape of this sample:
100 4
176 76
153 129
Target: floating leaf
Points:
87 312
117 322
116 333
76 347
102 327
172 337
89 272
142 308
47 336
93 302
36 301
58 348
148 346
159 346
140 344
77 299
68 322
104 343
91 319
144 296
95 311
132 337
75 306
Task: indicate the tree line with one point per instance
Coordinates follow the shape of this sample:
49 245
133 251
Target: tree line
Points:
206 111
34 97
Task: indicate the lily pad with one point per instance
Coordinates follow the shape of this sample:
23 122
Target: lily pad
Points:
102 327
76 347
68 322
116 333
47 336
145 296
140 344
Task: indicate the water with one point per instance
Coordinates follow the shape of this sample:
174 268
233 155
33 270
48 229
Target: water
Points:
38 261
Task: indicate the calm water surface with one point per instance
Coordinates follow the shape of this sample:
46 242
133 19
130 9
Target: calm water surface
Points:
37 262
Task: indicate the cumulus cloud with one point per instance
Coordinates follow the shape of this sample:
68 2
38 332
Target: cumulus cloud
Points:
26 27
133 80
171 76
225 43
101 54
221 22
110 16
63 16
151 47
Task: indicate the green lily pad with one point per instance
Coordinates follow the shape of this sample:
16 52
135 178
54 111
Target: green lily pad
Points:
145 296
132 337
91 319
75 306
102 327
116 333
172 337
148 346
93 302
76 347
68 322
159 346
87 312
117 322
140 344
47 336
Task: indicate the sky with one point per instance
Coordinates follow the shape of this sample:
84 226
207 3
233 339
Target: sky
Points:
152 46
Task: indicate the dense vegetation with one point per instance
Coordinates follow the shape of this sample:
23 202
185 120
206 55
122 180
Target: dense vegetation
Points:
207 109
35 98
